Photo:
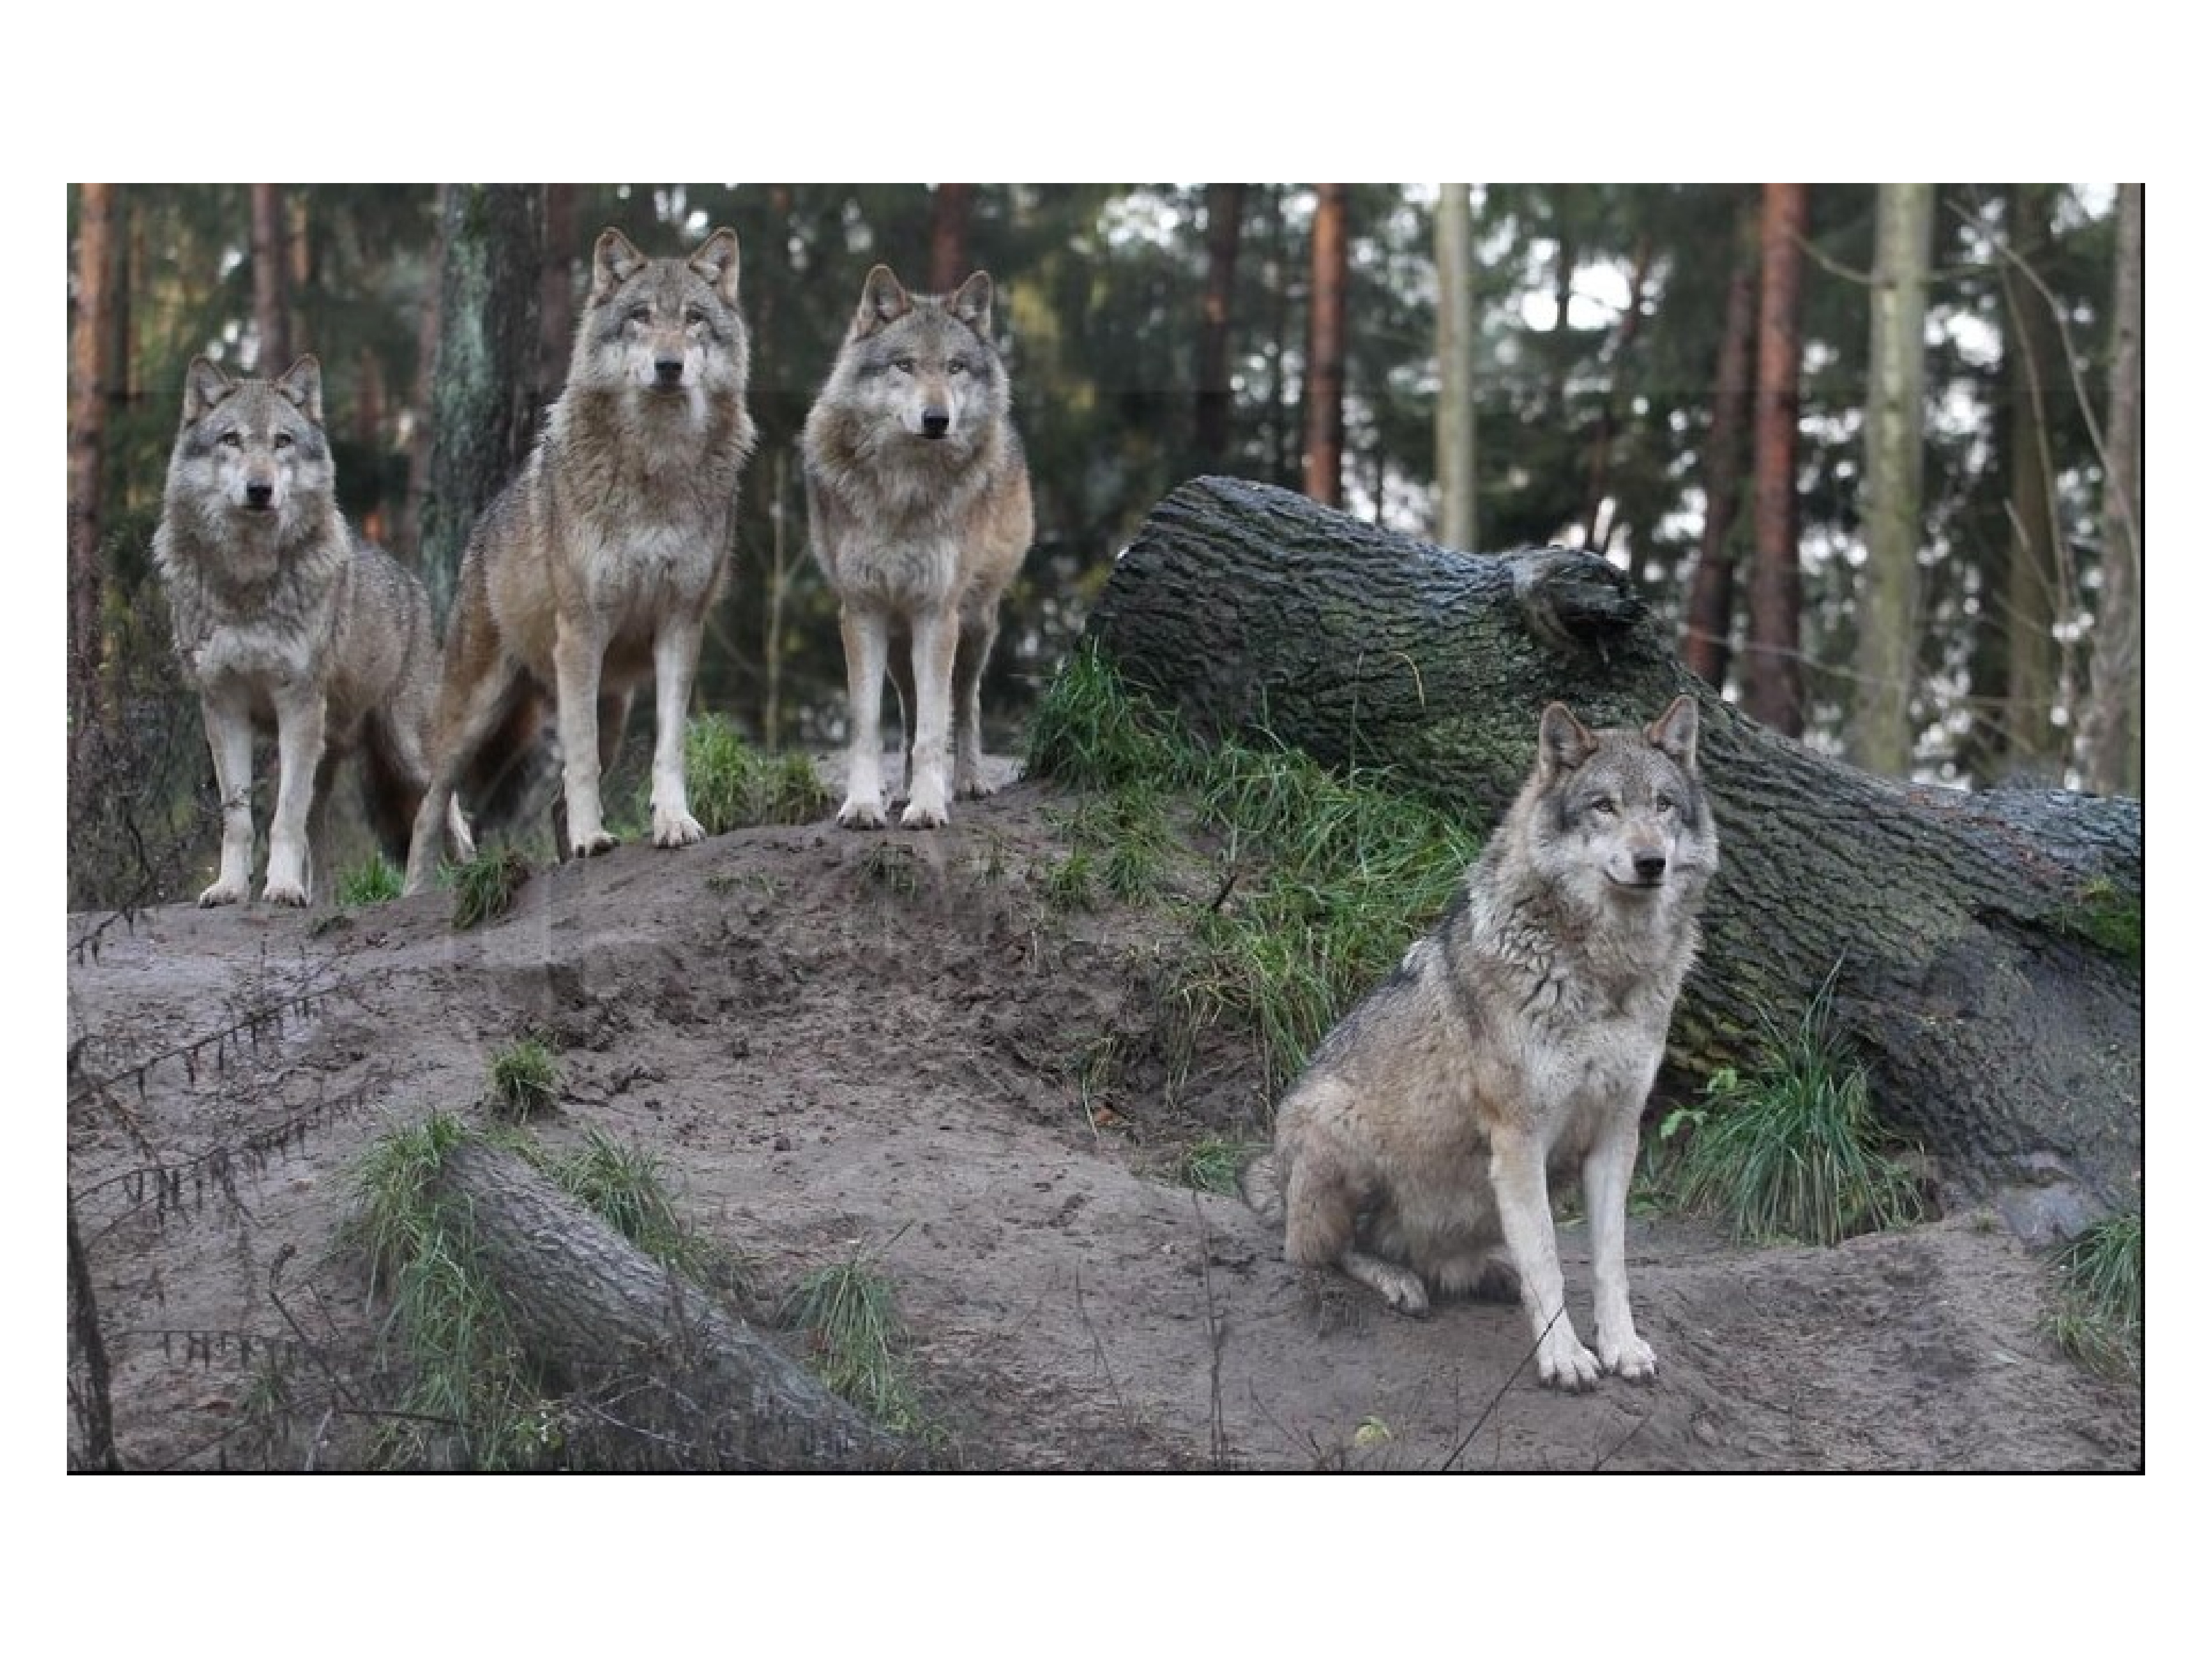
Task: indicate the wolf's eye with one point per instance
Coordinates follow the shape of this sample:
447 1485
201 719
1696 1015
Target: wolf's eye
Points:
1665 803
282 441
638 314
904 365
957 366
231 440
1605 808
696 317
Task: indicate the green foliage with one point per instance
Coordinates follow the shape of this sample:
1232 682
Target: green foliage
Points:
1791 1151
2099 1317
856 1343
2102 915
1088 733
485 887
376 880
733 785
1211 1165
526 1080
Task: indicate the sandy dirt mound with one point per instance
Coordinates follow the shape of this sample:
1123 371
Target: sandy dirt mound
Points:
838 1041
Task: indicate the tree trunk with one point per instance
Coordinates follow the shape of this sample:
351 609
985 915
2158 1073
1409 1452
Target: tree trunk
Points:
950 209
597 1316
1332 274
1994 1030
1773 679
1456 334
91 372
556 294
1709 623
272 298
492 242
1597 523
1889 604
2113 750
1225 226
2036 357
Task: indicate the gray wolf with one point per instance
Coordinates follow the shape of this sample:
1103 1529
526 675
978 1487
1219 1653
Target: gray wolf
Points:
918 504
287 621
1516 1042
596 567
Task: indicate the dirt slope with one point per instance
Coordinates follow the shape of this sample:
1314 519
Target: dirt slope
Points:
836 1041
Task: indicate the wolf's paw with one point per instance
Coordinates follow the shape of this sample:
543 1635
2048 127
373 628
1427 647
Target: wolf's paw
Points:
1404 1293
588 846
675 828
1633 1358
285 892
1562 1362
862 812
221 892
974 788
920 814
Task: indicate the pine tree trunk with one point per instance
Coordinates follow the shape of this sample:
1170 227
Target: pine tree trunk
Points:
1889 604
1456 336
950 209
91 371
493 243
1958 924
2113 748
2036 357
272 299
598 1317
1225 225
1710 623
1332 273
1773 679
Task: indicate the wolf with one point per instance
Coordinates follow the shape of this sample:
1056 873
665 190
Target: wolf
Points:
1517 1041
597 565
286 622
918 506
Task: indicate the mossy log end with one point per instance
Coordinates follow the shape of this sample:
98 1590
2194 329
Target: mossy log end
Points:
1986 946
598 1317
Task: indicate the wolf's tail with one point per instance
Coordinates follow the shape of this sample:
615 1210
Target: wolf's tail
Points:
1261 1181
512 780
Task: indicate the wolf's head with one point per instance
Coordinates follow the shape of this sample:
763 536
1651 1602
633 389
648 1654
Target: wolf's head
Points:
667 331
1620 814
924 362
252 449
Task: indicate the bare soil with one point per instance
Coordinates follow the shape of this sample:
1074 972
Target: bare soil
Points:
894 1043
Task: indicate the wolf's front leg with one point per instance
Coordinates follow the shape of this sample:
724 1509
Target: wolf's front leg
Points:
936 638
1524 1211
299 756
1605 1172
230 743
867 634
578 654
675 660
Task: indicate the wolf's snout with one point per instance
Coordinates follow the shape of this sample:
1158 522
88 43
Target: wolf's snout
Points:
260 496
935 423
1651 866
668 373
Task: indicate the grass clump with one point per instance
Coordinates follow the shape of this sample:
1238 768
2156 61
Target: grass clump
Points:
526 1080
375 880
1090 734
2099 1317
855 1342
1211 1165
1791 1151
733 785
484 888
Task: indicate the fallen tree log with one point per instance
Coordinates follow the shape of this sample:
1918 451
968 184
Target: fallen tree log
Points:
1986 946
672 1380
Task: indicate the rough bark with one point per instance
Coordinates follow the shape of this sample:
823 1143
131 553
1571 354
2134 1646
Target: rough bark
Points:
1889 604
1773 676
1456 338
600 1317
1325 348
90 374
952 208
1709 625
2035 357
1224 235
272 296
1993 1031
2112 748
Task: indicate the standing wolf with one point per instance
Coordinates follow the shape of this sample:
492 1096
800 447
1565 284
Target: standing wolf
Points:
286 622
1517 1039
597 565
918 499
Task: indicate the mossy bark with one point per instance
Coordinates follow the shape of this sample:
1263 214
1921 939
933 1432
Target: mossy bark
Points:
1959 925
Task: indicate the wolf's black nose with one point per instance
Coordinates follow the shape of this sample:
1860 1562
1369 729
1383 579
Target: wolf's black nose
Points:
1649 867
260 494
668 371
935 423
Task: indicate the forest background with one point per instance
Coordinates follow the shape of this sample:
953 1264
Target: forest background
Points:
1874 452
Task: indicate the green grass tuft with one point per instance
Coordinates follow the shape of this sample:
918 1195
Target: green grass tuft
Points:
484 888
1212 1165
1087 733
1791 1151
376 880
2099 1318
733 785
526 1080
856 1343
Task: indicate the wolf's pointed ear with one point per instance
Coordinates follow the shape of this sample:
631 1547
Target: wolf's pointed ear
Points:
615 259
972 304
205 385
1675 733
301 385
1563 743
883 299
717 261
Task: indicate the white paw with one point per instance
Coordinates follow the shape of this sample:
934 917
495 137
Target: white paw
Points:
1405 1293
1562 1362
921 814
591 846
1631 1359
674 828
221 892
284 892
862 812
